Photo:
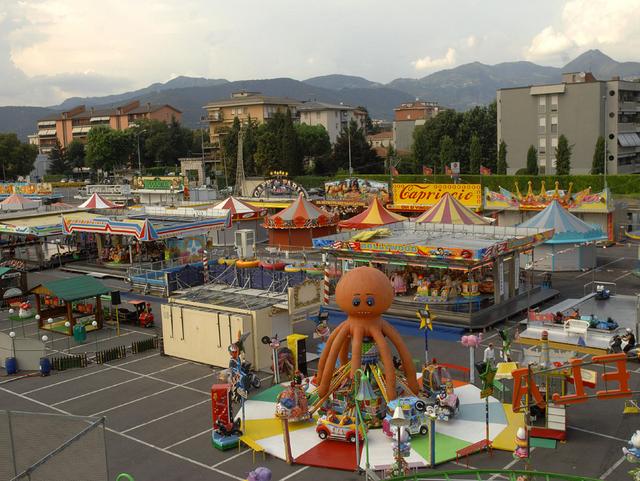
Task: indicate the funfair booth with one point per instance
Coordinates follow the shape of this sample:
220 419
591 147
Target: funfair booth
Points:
469 274
572 247
243 216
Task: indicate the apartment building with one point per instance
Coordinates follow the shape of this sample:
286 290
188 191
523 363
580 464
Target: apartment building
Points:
580 107
221 113
407 117
74 124
333 117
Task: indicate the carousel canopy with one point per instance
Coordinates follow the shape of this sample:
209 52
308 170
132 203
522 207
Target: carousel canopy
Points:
96 201
238 208
449 210
375 215
568 228
18 202
302 214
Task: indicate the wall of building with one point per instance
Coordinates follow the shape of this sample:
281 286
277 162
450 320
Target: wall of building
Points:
403 133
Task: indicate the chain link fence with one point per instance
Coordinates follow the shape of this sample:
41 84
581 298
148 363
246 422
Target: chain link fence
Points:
52 447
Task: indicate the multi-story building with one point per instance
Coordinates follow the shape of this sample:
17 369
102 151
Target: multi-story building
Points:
221 113
407 117
581 108
333 117
381 142
75 124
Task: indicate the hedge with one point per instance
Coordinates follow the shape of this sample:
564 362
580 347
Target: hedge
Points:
618 184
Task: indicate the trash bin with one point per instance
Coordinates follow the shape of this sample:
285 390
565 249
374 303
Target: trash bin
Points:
80 333
11 365
45 366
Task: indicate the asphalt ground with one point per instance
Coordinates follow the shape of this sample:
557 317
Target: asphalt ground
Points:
158 418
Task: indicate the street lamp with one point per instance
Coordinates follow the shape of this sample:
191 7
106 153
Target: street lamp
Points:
68 325
138 145
11 311
44 338
399 421
95 328
12 335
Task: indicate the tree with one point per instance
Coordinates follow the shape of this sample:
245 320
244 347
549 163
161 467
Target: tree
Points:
315 146
363 158
291 154
475 155
369 126
597 166
58 160
108 149
447 153
16 158
75 154
501 164
563 156
532 161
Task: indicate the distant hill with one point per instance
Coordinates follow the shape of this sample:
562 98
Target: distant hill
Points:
461 88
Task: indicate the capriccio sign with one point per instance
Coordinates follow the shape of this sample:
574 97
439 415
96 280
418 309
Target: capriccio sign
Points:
524 384
469 195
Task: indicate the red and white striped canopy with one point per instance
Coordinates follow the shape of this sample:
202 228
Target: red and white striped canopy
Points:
19 201
238 208
96 201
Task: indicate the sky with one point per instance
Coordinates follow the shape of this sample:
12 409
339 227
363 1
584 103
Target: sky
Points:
54 49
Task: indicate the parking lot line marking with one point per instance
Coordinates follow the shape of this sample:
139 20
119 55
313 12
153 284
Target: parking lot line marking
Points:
606 474
175 455
188 439
622 276
16 325
237 455
84 345
112 386
164 416
106 368
597 434
184 385
289 476
590 271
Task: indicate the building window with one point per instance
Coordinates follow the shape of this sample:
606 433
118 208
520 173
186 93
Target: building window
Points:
542 104
554 103
542 145
317 115
542 125
554 142
553 161
554 124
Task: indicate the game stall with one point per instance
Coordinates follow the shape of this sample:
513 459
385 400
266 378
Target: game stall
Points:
299 224
514 208
572 247
349 197
76 300
465 272
167 190
243 216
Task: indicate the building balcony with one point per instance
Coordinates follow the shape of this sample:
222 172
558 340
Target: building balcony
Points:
629 106
628 127
215 117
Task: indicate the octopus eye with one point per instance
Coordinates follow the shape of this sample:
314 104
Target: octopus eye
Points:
370 301
356 301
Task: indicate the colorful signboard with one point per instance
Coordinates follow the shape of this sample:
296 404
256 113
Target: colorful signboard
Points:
26 188
583 201
278 186
175 183
356 190
423 196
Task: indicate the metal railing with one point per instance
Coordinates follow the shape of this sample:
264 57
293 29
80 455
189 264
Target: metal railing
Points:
590 287
480 474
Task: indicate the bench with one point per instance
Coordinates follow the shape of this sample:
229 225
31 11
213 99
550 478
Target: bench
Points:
576 326
474 448
251 444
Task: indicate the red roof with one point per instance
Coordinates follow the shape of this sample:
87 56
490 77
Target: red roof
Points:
375 215
239 209
301 214
96 201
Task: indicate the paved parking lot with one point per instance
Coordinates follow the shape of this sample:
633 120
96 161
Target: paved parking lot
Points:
158 417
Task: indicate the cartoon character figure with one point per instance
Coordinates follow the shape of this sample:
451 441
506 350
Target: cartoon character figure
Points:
322 331
25 310
521 450
260 474
633 453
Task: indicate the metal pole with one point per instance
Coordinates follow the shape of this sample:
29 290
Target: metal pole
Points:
138 145
604 136
349 139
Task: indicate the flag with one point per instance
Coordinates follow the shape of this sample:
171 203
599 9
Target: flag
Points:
394 171
427 170
447 170
485 170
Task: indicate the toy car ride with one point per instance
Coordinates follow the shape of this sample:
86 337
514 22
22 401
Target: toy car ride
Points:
141 315
414 410
342 428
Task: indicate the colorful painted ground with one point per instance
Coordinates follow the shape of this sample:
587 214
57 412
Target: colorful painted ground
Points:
466 428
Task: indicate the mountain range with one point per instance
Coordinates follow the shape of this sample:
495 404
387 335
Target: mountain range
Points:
461 88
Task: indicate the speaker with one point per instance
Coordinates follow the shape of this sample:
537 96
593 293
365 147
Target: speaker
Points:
115 298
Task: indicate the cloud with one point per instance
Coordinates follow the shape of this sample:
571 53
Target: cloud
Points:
584 24
428 63
471 41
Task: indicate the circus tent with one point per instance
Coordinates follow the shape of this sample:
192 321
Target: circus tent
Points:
449 210
572 246
239 209
18 202
96 201
245 216
299 223
375 215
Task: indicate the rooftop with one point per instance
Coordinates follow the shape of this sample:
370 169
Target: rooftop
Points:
252 99
73 289
313 106
229 296
80 112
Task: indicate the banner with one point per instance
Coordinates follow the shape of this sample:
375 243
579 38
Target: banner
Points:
421 196
159 183
356 189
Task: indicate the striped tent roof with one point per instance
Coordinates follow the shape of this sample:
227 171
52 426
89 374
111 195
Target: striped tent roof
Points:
301 214
239 209
96 201
449 210
375 215
568 228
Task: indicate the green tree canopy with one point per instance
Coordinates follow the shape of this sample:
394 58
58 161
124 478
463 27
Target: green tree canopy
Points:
315 146
532 161
501 165
108 149
447 153
16 158
563 156
597 166
58 160
475 155
75 154
363 157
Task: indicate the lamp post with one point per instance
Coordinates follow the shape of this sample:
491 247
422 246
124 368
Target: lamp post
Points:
94 323
399 421
68 325
11 312
12 335
138 146
44 339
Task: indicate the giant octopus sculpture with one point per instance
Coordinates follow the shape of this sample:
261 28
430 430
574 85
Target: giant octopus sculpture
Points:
364 294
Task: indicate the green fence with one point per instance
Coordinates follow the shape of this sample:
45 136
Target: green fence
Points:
60 363
144 345
481 474
118 352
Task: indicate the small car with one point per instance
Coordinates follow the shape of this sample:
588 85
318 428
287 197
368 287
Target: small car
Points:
342 428
414 409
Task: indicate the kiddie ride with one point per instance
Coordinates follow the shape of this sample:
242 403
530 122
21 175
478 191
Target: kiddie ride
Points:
141 315
438 392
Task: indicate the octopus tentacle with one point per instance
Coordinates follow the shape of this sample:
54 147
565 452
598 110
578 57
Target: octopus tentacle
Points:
327 349
325 379
356 349
407 363
344 352
387 362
